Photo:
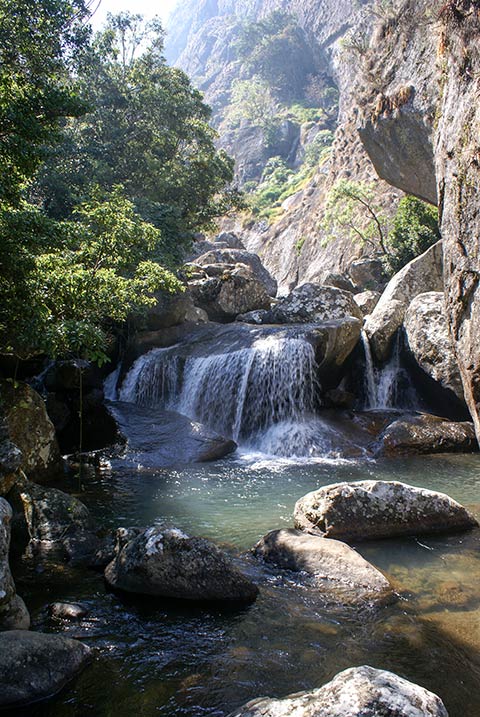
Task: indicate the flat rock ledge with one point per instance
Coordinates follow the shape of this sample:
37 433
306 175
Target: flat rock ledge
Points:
167 563
339 572
34 666
357 692
369 510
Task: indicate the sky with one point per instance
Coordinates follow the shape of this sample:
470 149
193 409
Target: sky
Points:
148 8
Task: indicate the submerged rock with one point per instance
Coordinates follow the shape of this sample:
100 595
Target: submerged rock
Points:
357 692
13 613
339 571
56 523
371 509
167 563
67 611
34 666
425 434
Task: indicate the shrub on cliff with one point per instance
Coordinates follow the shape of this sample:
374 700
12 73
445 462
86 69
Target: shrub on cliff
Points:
415 229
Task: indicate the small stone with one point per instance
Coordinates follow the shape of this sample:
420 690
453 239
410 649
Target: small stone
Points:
67 611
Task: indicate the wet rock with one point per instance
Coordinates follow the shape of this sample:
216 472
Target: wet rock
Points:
167 563
13 613
161 438
31 430
65 375
313 303
339 398
367 301
262 316
10 461
57 524
236 292
340 572
34 666
67 611
428 339
371 509
425 434
241 256
357 692
367 274
423 274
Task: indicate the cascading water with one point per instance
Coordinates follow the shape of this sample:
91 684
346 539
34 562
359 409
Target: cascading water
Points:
382 384
239 393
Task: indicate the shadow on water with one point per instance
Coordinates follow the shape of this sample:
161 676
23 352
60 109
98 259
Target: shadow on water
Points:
171 659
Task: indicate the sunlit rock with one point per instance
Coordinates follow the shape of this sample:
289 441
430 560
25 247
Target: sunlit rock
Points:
423 434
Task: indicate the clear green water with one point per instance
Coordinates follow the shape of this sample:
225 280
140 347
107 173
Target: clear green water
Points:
168 659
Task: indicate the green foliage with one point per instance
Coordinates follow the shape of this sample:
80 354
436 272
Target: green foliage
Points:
415 229
40 44
352 209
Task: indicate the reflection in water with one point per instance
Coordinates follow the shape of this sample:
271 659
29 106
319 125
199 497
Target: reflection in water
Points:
172 660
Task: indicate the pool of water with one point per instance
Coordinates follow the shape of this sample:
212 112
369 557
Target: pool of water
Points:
168 659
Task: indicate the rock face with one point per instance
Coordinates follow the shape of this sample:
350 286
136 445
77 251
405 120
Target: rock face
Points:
339 571
369 510
167 563
428 339
313 303
13 613
427 434
31 430
235 292
239 256
34 666
56 524
357 692
423 274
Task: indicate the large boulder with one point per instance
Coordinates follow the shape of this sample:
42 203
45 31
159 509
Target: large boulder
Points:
340 573
164 438
169 310
423 274
10 460
357 692
13 613
372 509
31 430
53 523
167 563
367 301
428 339
367 274
241 256
313 304
424 434
236 291
34 666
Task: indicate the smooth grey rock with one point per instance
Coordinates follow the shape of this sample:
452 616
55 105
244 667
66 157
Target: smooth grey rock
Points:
67 611
241 256
30 429
34 666
356 692
57 524
372 509
425 434
428 339
13 612
367 301
164 562
340 573
423 274
313 303
236 292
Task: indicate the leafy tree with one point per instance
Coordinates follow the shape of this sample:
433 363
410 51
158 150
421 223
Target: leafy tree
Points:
252 100
40 45
352 208
149 132
415 229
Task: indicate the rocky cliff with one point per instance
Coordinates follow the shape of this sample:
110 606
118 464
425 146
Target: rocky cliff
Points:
420 125
203 39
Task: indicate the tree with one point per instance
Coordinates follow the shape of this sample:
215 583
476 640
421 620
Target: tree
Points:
415 228
352 208
148 131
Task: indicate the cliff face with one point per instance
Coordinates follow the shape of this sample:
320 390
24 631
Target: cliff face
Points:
201 40
430 135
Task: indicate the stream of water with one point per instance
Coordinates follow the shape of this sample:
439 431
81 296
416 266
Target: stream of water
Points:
167 659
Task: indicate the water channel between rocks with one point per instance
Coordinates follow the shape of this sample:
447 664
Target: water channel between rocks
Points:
165 658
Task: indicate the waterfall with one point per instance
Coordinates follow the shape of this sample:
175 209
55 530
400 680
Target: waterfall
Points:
110 385
370 379
238 393
387 386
